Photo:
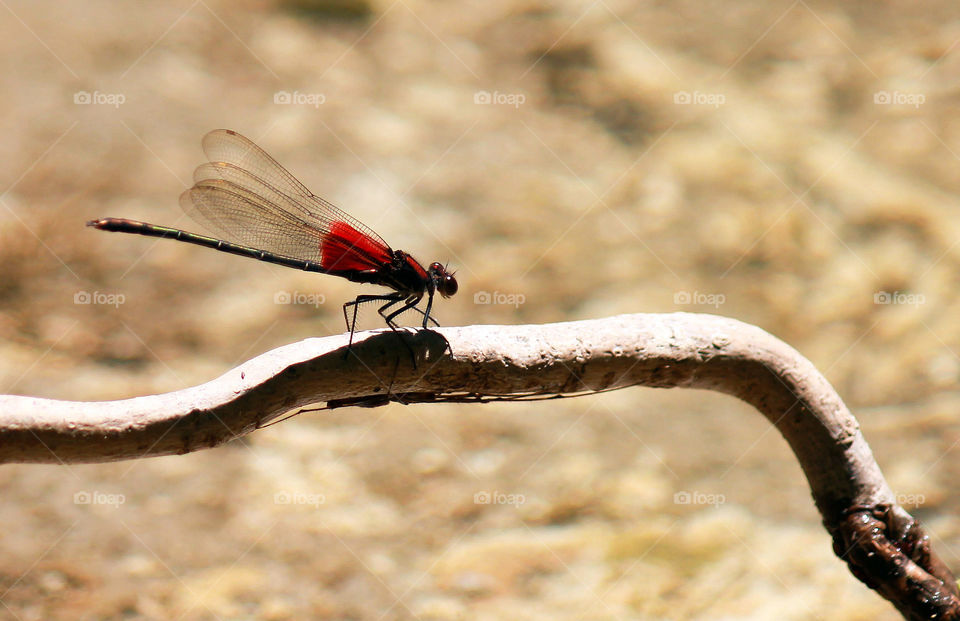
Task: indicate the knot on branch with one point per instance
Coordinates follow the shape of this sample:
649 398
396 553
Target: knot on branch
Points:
888 550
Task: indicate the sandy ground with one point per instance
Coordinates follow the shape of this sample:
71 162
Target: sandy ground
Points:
792 165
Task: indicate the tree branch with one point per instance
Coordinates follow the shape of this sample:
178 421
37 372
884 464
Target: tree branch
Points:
883 545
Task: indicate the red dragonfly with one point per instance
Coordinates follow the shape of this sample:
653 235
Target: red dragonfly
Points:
263 212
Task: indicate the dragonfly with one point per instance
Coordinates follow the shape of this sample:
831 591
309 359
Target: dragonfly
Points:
263 212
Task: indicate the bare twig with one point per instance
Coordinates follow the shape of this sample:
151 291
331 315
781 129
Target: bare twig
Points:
883 545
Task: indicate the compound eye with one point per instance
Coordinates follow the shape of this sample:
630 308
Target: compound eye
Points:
446 283
448 286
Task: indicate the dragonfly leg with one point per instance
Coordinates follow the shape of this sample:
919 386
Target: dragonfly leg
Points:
392 298
411 303
389 318
426 313
427 317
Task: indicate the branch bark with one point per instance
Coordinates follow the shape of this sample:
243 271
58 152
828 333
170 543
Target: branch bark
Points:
883 545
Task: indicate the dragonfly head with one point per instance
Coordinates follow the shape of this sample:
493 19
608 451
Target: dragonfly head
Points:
443 280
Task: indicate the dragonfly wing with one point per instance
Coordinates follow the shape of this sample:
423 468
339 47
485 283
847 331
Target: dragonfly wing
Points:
246 196
224 145
227 146
238 216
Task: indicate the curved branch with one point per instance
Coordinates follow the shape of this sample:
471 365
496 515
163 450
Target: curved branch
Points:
884 546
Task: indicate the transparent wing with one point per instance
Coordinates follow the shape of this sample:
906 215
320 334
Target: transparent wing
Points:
245 196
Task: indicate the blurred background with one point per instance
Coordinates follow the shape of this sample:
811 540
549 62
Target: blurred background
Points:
789 164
